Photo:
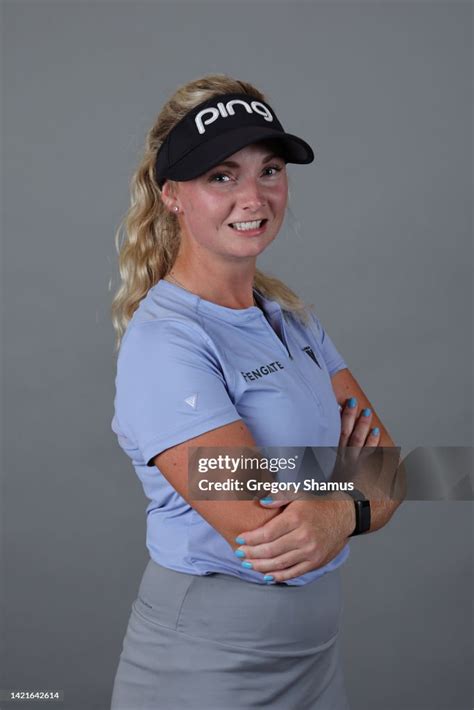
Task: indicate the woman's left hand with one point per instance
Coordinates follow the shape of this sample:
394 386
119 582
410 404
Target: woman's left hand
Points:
306 535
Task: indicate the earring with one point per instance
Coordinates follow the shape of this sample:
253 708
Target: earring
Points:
176 208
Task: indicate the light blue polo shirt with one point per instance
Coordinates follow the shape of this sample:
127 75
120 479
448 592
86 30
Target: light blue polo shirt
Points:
187 366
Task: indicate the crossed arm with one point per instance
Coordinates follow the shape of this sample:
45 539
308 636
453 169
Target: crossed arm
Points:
283 542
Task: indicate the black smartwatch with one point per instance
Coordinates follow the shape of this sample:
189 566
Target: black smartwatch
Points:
362 512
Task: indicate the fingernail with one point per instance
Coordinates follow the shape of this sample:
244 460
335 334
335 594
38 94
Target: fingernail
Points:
268 578
240 553
268 499
240 540
376 431
366 412
351 403
246 564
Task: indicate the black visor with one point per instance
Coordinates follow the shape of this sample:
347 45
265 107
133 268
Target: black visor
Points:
219 127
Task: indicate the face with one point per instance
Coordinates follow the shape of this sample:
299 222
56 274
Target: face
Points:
217 208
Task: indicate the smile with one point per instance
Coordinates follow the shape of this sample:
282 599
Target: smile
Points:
248 226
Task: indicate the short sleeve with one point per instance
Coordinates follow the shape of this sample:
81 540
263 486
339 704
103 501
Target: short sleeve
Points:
169 386
331 356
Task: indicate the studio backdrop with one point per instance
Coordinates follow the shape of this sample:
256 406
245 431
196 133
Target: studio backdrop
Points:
377 237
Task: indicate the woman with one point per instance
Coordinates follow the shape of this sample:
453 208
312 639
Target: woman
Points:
239 606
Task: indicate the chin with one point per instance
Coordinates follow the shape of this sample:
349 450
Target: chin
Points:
251 248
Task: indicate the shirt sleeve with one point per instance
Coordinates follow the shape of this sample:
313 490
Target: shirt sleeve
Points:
169 386
331 356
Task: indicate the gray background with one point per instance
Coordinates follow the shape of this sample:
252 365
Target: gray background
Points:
381 246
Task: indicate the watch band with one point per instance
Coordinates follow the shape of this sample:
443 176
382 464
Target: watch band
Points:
362 512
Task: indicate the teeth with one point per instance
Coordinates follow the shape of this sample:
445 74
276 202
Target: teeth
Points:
247 225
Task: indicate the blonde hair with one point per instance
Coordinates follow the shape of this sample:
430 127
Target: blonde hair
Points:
151 233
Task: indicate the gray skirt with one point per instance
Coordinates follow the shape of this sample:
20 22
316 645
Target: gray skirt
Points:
216 642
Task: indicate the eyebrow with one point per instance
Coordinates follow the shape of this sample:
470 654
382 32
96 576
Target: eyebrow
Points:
232 164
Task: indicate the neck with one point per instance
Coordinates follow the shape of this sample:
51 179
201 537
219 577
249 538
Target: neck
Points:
225 285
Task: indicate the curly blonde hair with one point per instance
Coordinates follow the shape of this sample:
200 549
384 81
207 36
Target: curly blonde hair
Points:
150 232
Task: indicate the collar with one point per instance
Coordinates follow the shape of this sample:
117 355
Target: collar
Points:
172 292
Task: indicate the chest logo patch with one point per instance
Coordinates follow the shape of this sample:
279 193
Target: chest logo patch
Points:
309 351
254 375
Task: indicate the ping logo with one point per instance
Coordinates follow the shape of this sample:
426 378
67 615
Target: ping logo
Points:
309 351
212 113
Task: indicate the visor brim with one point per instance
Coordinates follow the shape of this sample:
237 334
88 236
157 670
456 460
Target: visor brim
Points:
206 156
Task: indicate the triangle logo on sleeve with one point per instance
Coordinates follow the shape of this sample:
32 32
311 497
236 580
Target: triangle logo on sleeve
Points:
192 401
309 351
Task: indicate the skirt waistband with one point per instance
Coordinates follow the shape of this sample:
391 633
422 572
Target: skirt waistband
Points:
276 619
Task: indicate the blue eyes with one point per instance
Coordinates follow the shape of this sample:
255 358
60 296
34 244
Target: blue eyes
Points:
214 176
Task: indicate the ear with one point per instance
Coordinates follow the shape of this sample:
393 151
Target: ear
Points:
169 195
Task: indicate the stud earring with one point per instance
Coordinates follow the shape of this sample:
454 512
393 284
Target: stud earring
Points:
176 208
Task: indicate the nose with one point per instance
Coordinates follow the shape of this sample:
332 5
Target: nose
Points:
252 198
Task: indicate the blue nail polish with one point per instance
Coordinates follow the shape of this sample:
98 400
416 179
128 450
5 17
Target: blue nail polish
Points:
351 403
240 540
366 412
376 431
268 499
246 564
240 553
268 578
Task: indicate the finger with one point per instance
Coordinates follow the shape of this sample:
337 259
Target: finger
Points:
302 567
274 576
273 529
348 417
373 437
271 550
354 450
279 563
276 500
346 462
361 429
